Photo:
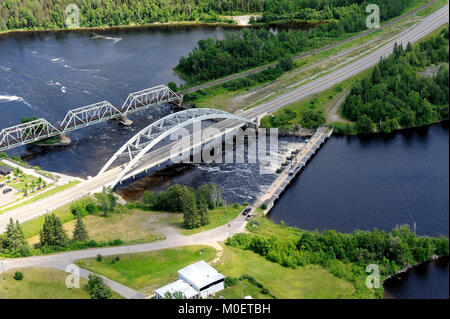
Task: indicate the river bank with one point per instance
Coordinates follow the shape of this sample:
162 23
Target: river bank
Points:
425 281
156 25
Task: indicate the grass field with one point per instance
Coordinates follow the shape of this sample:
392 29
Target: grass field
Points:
148 271
133 226
31 228
130 225
39 283
242 289
217 217
310 282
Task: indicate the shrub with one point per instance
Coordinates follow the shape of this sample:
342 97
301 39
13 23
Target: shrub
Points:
18 275
230 281
264 206
90 208
97 288
172 86
99 257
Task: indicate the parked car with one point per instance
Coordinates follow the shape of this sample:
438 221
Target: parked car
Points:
246 211
1 185
7 190
249 216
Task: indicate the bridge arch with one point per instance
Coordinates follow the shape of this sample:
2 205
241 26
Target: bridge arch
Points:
140 144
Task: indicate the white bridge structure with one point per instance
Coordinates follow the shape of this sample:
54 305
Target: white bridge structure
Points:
40 129
144 141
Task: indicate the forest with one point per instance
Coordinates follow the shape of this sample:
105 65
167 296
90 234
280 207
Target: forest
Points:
344 255
397 94
238 51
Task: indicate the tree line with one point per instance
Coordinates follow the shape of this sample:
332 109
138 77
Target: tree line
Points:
344 255
192 202
396 95
238 51
330 10
42 14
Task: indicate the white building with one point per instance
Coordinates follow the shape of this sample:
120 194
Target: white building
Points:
203 278
176 286
198 280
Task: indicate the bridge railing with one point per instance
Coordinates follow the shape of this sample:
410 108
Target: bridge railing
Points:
88 115
141 100
26 133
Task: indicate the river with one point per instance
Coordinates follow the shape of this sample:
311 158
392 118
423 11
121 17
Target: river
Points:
372 182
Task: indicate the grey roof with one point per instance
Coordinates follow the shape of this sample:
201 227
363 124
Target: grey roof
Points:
180 286
5 169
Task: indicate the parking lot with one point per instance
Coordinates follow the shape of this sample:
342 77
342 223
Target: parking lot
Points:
8 197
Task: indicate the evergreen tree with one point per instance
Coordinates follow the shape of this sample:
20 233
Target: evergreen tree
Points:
107 200
14 239
80 233
203 213
189 209
52 233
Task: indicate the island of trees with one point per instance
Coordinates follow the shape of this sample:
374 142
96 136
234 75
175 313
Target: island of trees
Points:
238 51
395 94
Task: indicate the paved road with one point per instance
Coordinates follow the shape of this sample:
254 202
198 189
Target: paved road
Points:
304 55
162 154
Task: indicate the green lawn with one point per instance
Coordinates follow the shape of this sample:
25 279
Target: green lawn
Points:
39 283
217 217
310 282
243 288
148 271
20 182
132 226
31 228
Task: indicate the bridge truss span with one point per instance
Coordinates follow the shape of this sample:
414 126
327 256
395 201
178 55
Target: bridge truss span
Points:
140 100
86 116
146 139
26 133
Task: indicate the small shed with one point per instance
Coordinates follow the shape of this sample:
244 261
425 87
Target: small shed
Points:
5 170
176 286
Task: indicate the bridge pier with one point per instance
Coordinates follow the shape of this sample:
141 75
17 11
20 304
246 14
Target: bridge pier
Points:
258 119
65 140
124 120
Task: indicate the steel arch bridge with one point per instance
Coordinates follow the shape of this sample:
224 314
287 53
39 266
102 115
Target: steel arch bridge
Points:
146 139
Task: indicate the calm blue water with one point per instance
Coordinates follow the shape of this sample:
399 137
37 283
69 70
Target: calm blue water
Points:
366 182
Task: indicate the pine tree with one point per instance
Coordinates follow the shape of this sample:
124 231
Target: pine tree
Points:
53 233
203 213
14 240
189 208
80 233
